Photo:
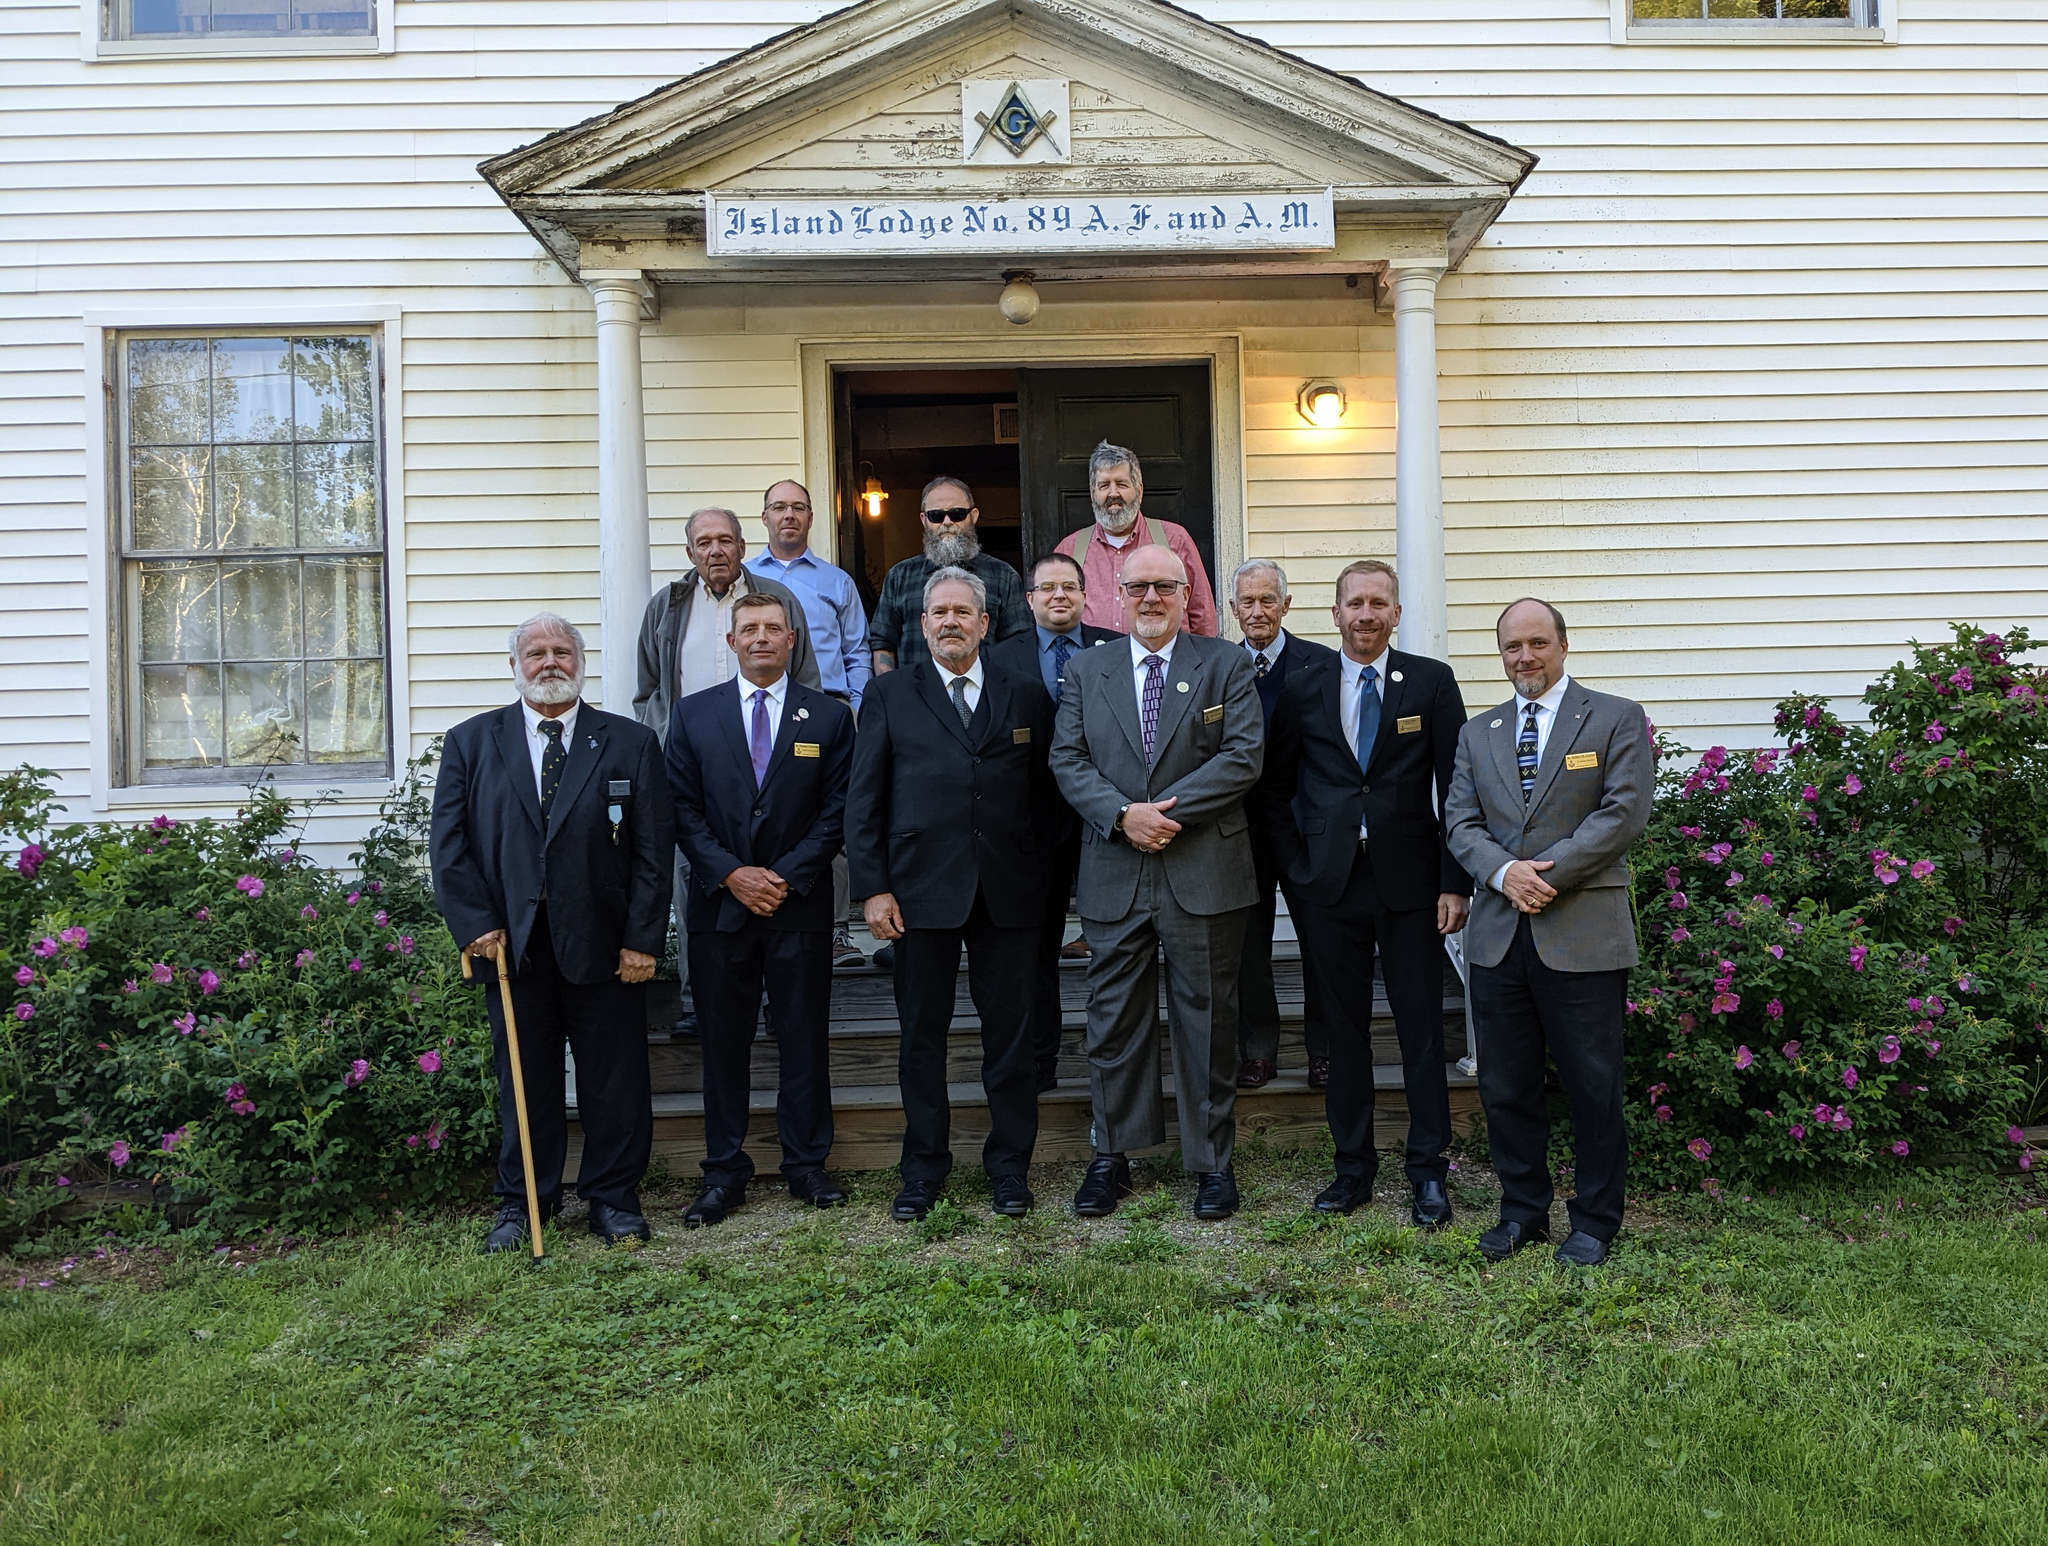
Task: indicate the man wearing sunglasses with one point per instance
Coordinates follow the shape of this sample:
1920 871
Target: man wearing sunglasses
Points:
1155 746
949 515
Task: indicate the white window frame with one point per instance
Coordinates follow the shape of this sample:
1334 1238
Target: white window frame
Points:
94 47
1882 28
114 792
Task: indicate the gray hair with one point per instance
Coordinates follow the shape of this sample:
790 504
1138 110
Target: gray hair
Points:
1106 456
953 574
690 526
545 622
1253 566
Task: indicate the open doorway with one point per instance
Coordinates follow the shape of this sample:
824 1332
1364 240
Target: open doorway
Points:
1020 436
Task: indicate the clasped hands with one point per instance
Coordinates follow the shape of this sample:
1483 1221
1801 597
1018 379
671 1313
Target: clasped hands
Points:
1525 888
1147 827
634 966
759 889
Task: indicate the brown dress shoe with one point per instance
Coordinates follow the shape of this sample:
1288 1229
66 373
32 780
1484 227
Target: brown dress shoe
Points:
1318 1073
1253 1072
1075 949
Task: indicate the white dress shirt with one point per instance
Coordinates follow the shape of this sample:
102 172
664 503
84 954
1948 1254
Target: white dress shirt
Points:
703 658
972 676
1271 651
1347 700
536 743
778 693
1546 720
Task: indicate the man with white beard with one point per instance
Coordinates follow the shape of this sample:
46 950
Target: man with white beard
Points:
552 838
949 514
1116 491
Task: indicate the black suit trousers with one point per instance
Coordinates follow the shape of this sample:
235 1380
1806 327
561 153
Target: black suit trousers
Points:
1000 972
605 1025
1046 1015
728 973
1258 1003
1337 946
1521 1009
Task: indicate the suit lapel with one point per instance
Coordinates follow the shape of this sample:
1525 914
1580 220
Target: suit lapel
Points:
940 702
510 740
992 713
795 718
1508 717
1391 703
1123 698
732 731
1571 719
586 747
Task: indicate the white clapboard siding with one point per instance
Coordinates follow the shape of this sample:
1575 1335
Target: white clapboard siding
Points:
1750 377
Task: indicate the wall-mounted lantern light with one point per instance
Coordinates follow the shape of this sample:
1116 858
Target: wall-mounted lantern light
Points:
1321 403
872 495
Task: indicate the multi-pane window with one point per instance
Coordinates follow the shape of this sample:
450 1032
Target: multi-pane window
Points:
1842 13
252 557
145 19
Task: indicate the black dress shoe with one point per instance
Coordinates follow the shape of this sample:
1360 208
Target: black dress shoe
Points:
712 1205
1318 1073
1215 1195
616 1224
1107 1183
817 1189
1346 1194
1253 1073
1431 1208
685 1024
508 1230
1012 1198
915 1200
884 959
1508 1237
1581 1250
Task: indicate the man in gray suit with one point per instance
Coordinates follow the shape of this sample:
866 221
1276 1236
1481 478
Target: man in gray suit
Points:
1549 791
1156 744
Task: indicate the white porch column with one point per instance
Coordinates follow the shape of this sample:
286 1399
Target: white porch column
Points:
1418 466
624 581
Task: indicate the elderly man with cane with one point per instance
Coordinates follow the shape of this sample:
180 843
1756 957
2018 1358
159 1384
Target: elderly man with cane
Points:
550 848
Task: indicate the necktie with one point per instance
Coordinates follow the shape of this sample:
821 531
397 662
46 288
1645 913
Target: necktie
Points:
552 758
759 743
1148 704
958 687
1062 652
1261 665
1368 715
1525 753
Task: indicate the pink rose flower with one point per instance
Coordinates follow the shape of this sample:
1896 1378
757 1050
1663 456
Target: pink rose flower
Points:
44 947
405 944
309 912
356 964
1935 731
24 1012
1798 1133
186 1023
208 982
250 886
358 1071
1889 1052
1662 1113
24 975
1809 794
1950 925
1775 1010
246 959
302 958
75 936
1852 785
380 917
1850 1077
1902 1148
171 1140
29 860
1791 1051
2014 1135
1744 1057
1857 953
131 986
117 1155
430 1062
203 914
161 974
1699 1149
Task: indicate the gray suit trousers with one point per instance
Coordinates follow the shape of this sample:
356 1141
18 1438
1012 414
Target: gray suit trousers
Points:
1202 953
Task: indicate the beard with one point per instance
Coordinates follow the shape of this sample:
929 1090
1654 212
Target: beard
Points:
950 548
1116 522
551 690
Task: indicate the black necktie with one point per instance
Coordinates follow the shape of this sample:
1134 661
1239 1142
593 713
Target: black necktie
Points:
551 760
959 690
1260 665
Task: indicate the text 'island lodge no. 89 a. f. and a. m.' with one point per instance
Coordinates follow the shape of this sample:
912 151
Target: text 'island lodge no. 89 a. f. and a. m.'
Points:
771 227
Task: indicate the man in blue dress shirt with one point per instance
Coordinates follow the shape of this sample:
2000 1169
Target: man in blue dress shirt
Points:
838 626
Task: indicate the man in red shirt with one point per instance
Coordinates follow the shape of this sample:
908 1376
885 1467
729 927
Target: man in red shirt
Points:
1116 488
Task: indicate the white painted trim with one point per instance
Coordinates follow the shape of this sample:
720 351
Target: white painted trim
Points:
1757 34
1223 351
93 48
102 330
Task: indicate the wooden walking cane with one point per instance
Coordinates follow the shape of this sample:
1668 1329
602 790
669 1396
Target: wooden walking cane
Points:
518 1092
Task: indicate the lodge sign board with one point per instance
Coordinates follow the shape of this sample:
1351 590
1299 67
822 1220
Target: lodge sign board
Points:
1022 225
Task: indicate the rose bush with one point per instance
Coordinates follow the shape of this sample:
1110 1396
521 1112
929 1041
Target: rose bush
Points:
197 1003
1844 959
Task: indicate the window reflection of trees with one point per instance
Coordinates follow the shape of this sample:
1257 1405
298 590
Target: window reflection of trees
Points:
253 545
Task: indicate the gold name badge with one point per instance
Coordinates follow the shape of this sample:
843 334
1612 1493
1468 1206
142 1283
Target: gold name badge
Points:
1021 736
1211 715
803 748
1577 760
1408 724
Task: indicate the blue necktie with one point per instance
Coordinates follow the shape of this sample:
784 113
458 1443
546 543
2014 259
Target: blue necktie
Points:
1062 649
1525 753
1368 715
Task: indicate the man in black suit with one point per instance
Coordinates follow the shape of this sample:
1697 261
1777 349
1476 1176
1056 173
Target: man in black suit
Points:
949 825
1056 596
1259 601
758 770
551 838
1360 760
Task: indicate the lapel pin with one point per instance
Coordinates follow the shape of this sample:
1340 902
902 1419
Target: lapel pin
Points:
803 713
1397 676
1180 686
1494 726
593 743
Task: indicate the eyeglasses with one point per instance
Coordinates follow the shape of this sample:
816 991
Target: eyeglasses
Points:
1058 588
1164 589
952 513
788 507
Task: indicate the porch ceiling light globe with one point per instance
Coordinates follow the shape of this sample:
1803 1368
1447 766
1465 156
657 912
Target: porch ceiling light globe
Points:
1321 403
1019 301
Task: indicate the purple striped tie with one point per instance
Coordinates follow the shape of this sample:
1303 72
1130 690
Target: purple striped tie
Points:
760 743
1148 706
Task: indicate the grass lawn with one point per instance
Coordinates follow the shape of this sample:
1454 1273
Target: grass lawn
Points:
1812 1367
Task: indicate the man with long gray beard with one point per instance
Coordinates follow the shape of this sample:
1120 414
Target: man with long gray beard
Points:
1116 492
552 839
949 514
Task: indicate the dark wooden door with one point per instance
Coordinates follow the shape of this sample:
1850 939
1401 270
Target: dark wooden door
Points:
1161 412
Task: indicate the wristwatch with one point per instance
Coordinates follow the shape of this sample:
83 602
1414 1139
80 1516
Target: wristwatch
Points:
1118 824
